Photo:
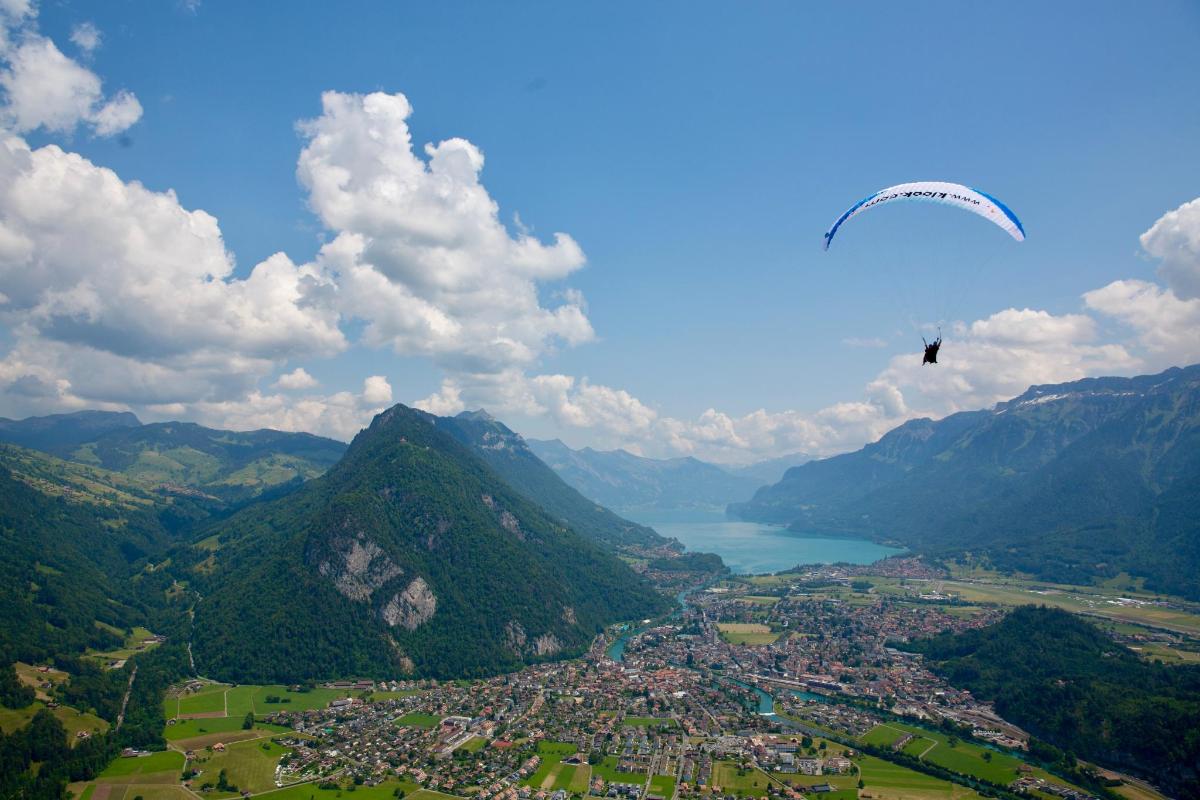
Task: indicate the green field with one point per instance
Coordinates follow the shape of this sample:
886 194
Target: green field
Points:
662 784
607 769
565 776
649 722
72 720
240 700
759 600
474 744
418 720
146 791
551 770
1167 654
191 728
248 765
206 701
753 783
887 781
384 791
965 758
1081 600
30 676
132 646
749 633
881 736
165 761
318 697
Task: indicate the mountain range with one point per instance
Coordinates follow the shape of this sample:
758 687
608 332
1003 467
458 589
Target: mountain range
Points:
630 483
431 546
1067 482
225 466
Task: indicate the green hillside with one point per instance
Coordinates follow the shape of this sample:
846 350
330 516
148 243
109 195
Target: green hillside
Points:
410 556
228 465
73 558
1066 682
509 455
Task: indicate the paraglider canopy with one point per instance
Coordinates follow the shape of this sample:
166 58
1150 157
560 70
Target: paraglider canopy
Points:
952 194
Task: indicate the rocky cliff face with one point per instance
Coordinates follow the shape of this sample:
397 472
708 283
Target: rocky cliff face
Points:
357 567
412 607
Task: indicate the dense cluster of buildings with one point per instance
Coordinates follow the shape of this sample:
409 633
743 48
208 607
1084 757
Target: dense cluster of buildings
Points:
654 717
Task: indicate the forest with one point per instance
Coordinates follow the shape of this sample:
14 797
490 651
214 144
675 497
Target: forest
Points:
1071 685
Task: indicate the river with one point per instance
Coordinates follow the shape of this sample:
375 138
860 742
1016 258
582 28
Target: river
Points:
751 548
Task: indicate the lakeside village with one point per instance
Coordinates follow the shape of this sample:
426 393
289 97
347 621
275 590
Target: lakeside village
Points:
746 692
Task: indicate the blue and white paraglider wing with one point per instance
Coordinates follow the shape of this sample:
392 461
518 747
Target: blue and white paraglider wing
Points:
951 194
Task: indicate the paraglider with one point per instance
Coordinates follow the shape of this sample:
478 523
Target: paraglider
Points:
951 194
931 350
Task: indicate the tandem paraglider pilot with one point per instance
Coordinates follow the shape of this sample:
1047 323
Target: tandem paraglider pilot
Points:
931 350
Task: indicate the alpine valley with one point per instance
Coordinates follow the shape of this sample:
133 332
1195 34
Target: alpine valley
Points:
438 583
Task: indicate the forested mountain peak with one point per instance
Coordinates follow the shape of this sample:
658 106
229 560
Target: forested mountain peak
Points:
410 556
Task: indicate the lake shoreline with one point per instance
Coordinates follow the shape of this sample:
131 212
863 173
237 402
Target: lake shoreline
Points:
754 548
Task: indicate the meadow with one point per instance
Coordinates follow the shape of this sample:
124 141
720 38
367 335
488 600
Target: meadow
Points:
165 761
382 791
72 719
730 779
418 720
965 758
248 765
236 701
662 785
552 771
192 728
607 769
747 633
886 781
649 722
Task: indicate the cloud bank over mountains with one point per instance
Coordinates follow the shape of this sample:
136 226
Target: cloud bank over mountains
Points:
117 296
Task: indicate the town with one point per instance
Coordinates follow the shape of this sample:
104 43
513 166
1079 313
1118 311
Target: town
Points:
783 686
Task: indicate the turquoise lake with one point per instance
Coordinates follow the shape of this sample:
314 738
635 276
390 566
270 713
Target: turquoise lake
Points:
754 548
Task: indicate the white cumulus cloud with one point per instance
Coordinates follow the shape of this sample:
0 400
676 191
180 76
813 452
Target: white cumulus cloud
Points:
420 253
339 415
86 37
296 379
40 87
1166 327
1175 239
117 294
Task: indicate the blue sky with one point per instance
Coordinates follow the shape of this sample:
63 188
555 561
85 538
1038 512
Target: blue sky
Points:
696 152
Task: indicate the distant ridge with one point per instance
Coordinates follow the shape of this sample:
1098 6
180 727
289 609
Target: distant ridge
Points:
630 483
60 433
1069 482
230 466
511 457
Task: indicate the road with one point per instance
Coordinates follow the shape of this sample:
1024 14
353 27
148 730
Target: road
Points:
125 699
